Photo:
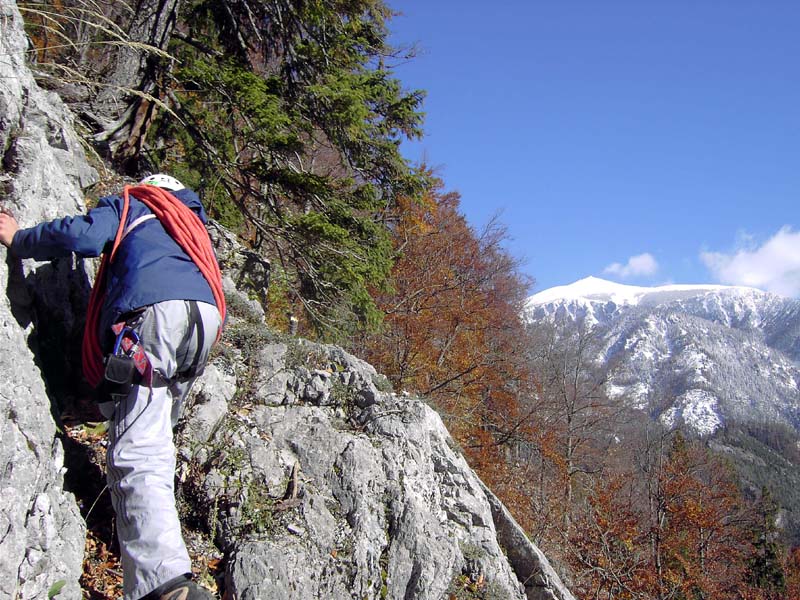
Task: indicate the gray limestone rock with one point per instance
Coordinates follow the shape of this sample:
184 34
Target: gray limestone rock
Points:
271 378
210 397
44 166
324 498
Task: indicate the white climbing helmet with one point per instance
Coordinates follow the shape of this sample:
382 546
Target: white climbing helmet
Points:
163 181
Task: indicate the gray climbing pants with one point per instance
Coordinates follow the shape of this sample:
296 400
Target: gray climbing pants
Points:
141 454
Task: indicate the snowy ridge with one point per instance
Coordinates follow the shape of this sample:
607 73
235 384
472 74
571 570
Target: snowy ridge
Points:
595 289
597 301
690 355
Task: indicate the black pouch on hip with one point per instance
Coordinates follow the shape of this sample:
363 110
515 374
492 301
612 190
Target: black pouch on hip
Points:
121 373
119 376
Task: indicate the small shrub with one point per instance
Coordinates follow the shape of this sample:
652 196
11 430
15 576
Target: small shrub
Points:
382 383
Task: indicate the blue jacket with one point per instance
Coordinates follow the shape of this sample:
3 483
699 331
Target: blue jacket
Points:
149 266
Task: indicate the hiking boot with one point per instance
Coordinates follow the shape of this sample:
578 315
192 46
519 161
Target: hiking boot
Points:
180 589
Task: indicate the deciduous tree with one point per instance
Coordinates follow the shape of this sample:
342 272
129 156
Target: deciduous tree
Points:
570 401
453 329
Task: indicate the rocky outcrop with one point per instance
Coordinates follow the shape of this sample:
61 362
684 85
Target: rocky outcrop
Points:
43 166
319 483
296 459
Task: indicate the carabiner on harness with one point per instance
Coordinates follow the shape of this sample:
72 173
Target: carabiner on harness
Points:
121 372
130 333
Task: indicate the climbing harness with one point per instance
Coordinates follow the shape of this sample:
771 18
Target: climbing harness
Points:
186 228
193 370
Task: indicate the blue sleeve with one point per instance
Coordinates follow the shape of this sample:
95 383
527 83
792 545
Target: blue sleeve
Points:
85 235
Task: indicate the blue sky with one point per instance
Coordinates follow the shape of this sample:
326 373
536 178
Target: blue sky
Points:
642 142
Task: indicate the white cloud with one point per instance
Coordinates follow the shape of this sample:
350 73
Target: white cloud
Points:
641 264
774 266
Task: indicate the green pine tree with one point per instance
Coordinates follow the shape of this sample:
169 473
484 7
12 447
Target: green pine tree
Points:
765 570
291 117
284 114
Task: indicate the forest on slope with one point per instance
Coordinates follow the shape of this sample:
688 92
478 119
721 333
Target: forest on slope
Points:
286 117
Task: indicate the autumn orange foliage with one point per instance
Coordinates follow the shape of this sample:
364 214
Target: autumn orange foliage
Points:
658 517
453 330
673 525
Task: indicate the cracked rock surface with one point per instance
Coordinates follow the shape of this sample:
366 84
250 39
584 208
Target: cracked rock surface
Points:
317 484
43 168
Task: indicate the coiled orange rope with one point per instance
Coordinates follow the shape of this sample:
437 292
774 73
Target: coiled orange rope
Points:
186 229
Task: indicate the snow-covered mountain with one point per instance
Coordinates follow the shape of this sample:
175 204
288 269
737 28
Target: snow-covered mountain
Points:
697 356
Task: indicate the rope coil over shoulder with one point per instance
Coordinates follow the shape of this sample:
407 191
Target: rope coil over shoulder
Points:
186 229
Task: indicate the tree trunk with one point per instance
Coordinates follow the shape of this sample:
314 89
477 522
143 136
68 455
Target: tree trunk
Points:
568 486
127 98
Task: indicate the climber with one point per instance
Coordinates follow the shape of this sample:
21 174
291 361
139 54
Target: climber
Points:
154 293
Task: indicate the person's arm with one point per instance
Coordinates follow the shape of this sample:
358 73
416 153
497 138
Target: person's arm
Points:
85 235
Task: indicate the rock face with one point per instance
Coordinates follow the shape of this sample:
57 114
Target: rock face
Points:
320 485
41 530
314 480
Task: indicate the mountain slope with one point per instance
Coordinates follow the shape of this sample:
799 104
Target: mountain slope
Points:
719 362
700 356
